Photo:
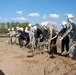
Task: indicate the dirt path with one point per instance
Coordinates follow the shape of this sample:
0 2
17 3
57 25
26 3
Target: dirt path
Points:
15 61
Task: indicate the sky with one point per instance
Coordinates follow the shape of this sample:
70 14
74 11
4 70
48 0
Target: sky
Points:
37 11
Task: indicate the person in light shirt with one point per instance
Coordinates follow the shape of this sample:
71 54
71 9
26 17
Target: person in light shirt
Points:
52 33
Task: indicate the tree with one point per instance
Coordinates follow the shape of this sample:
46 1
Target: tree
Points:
38 25
3 26
8 25
13 24
24 25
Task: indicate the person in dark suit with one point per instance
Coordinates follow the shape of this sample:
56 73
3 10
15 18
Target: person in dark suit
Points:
38 34
65 40
45 35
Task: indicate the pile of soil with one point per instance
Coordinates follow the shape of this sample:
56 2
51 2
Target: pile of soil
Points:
15 61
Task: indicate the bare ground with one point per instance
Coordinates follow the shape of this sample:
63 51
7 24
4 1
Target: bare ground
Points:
15 61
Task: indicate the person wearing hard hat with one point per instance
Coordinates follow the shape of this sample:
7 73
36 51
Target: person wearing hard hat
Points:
31 34
17 29
8 34
52 33
38 34
20 36
31 38
45 35
13 36
71 26
8 29
31 28
72 31
35 27
43 25
65 41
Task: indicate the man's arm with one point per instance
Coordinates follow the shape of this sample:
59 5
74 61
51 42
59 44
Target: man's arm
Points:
67 32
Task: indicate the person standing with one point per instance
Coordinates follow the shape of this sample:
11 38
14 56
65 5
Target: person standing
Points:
31 34
72 31
38 34
52 33
65 40
13 36
20 36
8 34
31 38
31 28
45 35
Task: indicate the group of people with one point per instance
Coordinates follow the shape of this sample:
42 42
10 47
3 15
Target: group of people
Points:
32 35
65 39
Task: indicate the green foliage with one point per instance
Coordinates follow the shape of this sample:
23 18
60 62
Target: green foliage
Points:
38 26
4 26
3 31
24 25
8 25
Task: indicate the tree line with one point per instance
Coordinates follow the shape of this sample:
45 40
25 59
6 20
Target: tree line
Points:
4 26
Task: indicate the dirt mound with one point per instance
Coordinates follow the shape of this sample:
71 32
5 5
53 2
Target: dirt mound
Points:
37 53
31 61
15 61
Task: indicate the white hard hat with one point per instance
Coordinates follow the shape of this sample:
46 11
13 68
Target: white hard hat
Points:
8 29
70 16
12 29
26 29
30 25
21 29
35 27
63 23
46 23
42 24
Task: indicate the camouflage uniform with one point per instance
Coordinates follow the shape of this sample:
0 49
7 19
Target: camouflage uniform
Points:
13 37
52 33
72 31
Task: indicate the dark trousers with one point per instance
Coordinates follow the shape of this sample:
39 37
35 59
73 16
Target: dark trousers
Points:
63 45
20 42
53 49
